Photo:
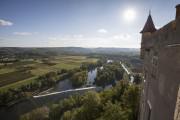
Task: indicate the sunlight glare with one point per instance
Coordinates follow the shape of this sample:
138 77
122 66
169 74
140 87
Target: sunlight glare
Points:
129 15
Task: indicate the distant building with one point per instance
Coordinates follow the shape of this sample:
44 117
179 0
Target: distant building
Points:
160 52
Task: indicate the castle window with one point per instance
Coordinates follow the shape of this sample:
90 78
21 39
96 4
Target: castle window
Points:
153 76
147 50
155 60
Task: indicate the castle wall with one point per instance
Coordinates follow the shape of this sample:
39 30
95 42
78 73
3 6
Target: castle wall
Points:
161 57
177 111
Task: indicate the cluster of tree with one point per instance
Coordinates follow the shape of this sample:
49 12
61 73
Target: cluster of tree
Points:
77 76
9 97
129 59
79 79
8 60
118 103
37 114
90 66
108 74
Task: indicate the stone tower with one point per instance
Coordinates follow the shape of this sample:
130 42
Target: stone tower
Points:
160 52
148 29
177 11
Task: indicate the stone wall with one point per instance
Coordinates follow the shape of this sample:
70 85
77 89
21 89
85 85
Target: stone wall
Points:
177 111
161 57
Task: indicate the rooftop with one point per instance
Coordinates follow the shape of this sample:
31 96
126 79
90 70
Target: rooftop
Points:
149 25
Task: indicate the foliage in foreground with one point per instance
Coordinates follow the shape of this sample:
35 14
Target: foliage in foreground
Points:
118 103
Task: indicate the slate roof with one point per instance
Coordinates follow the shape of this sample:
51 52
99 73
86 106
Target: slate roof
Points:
149 26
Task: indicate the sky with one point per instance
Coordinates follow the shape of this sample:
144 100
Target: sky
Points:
79 23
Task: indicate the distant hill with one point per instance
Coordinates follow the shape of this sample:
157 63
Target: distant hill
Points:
51 51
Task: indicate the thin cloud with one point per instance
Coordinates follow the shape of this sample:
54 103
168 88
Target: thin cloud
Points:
52 38
104 31
1 39
122 36
22 33
5 23
78 36
67 37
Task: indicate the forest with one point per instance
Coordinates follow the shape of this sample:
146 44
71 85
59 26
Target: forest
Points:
118 103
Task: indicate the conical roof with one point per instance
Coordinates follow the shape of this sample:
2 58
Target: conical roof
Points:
149 26
178 5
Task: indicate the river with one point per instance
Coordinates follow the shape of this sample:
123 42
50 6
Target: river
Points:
66 84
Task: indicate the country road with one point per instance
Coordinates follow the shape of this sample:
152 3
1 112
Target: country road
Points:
128 72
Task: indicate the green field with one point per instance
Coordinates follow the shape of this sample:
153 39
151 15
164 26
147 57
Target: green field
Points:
26 70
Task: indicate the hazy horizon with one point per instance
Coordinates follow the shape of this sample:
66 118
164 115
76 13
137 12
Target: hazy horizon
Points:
76 47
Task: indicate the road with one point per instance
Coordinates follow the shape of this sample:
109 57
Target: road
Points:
128 72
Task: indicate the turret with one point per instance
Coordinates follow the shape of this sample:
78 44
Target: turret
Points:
148 29
177 11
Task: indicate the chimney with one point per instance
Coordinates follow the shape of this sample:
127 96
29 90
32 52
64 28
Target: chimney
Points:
177 11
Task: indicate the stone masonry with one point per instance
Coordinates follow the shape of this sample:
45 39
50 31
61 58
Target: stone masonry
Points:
160 52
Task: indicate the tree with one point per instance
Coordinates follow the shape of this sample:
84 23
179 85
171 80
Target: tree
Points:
131 100
37 114
104 77
91 106
79 79
57 110
115 112
90 109
109 74
68 115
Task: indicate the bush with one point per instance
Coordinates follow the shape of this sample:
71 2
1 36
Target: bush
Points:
79 79
37 114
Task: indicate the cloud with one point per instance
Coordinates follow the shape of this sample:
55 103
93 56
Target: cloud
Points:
22 33
104 31
1 39
52 38
5 23
67 37
78 36
122 36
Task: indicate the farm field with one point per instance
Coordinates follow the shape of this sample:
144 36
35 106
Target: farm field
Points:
25 71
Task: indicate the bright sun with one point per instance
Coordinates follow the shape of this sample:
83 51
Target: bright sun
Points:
129 15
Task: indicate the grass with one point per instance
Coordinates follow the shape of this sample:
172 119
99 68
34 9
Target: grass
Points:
11 77
6 70
18 84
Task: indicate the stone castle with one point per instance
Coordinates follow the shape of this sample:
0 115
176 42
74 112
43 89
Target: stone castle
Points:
160 52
